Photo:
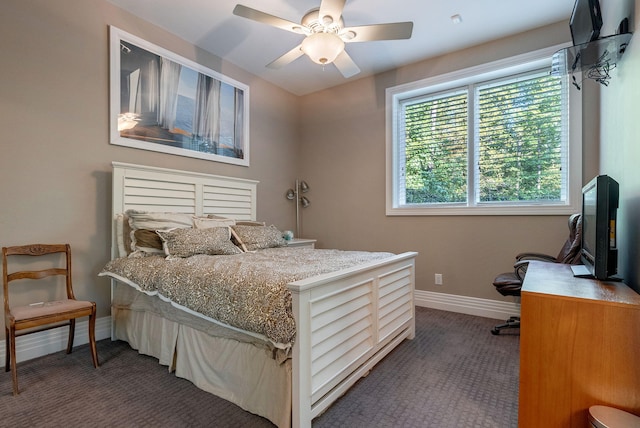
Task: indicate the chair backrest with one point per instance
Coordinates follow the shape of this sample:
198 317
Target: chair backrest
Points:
570 252
36 250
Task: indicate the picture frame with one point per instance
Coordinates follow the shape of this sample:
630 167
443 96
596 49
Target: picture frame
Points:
162 102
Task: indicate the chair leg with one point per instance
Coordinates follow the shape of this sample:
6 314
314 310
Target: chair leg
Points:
14 370
92 339
7 359
72 332
513 322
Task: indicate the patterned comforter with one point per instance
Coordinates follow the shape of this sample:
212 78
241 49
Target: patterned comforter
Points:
247 291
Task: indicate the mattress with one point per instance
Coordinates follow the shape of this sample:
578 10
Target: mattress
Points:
246 291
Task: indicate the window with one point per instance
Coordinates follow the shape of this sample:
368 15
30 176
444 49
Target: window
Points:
489 140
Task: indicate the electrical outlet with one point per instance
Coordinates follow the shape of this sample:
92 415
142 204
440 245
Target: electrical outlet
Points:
438 279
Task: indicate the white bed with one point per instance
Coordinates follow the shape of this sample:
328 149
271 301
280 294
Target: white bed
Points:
346 321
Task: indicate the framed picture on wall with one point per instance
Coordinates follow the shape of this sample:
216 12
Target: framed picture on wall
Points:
166 103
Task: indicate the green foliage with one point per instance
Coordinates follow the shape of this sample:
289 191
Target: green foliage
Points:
518 136
520 141
436 151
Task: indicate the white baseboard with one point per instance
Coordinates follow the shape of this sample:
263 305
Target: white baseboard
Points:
55 340
467 305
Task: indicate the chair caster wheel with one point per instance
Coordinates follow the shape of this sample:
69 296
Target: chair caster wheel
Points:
495 331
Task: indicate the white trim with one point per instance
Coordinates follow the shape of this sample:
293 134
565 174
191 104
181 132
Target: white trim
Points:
494 309
55 340
495 69
513 65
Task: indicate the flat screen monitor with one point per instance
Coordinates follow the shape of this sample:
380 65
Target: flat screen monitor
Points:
586 21
599 252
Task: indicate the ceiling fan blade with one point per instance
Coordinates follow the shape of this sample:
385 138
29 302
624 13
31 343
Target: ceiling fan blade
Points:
265 18
367 33
287 58
332 8
345 65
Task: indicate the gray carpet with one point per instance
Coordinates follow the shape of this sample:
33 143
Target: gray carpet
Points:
455 373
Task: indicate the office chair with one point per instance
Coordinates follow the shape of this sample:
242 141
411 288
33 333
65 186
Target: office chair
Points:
39 316
510 283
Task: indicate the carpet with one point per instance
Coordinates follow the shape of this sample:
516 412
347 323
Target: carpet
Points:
455 373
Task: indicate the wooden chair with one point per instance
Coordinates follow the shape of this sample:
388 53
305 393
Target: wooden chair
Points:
35 317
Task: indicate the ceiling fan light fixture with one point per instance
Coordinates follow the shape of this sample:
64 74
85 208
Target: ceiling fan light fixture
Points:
326 35
322 48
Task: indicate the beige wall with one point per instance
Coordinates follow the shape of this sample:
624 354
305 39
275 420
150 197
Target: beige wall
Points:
343 159
55 169
55 164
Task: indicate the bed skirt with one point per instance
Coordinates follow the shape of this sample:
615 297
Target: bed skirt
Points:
234 368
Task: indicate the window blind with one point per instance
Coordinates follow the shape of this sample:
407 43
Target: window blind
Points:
520 149
435 160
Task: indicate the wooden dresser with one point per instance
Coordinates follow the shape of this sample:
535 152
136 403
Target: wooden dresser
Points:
579 346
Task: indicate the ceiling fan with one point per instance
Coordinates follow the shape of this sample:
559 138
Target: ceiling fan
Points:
326 35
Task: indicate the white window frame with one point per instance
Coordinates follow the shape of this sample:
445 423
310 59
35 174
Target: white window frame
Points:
494 70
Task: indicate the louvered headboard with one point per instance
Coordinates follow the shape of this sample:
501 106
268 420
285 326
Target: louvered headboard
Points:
155 189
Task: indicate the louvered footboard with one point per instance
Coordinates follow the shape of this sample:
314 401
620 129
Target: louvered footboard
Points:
346 323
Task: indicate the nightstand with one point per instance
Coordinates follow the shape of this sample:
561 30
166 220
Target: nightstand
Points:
302 243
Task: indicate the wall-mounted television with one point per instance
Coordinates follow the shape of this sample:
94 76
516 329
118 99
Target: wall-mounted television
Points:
586 21
599 250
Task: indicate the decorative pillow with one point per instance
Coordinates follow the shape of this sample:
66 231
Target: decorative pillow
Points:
155 221
123 237
119 224
189 242
251 238
148 241
240 222
219 217
250 223
126 233
206 223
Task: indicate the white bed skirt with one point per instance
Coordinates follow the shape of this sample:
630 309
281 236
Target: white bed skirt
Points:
240 372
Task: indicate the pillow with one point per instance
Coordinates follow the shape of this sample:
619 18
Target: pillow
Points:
251 238
148 241
250 223
123 235
233 221
189 242
119 225
206 223
219 217
153 221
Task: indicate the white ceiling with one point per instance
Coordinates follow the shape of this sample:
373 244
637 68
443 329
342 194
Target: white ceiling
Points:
210 25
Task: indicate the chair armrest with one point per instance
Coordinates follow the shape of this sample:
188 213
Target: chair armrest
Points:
523 259
520 269
535 256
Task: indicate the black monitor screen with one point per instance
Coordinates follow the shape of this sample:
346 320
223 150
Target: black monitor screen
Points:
599 212
589 222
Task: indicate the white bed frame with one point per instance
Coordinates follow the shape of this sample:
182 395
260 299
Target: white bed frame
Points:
346 321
